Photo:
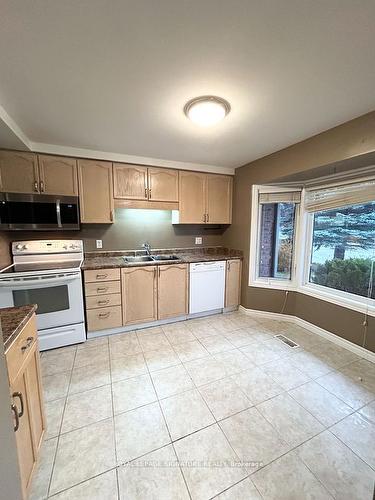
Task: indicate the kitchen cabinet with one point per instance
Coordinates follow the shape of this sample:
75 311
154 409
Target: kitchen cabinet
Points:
18 172
95 191
204 199
24 376
58 175
172 290
139 294
233 283
150 184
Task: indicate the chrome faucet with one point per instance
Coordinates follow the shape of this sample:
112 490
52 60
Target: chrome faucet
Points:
147 247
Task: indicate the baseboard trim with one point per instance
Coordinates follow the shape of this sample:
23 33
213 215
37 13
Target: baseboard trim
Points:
332 337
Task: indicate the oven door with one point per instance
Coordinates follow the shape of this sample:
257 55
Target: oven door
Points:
58 296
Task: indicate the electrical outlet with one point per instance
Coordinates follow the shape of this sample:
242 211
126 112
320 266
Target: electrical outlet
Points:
99 243
198 240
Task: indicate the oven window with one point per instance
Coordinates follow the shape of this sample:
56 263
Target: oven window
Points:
50 299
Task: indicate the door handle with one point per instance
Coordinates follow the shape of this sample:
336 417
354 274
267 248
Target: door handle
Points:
36 187
207 217
29 341
16 416
146 193
42 186
20 397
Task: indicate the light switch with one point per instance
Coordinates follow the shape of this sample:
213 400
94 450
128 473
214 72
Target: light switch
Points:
99 243
198 240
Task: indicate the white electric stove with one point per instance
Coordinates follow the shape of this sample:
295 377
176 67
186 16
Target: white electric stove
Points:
48 273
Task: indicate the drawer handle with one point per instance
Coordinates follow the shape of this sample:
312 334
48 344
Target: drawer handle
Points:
16 416
101 276
19 396
29 341
104 315
103 302
102 289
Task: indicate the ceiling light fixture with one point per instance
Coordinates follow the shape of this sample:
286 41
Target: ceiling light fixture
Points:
206 110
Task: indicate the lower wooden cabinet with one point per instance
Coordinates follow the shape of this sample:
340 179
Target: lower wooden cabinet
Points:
233 283
172 291
139 294
27 398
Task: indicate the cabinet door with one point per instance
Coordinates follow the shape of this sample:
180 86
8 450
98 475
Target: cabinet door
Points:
172 291
95 191
219 199
162 184
233 283
192 194
58 175
26 391
130 181
18 172
139 299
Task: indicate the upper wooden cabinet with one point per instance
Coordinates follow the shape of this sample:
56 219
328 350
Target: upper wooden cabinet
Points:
162 184
204 198
130 181
18 172
172 290
139 294
95 191
136 182
233 283
58 175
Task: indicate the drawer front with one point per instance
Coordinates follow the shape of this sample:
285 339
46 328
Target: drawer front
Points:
103 318
95 302
92 289
95 275
19 350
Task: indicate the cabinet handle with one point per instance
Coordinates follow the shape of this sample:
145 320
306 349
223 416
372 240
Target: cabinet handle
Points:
204 217
207 217
20 397
29 341
101 276
104 315
228 265
111 216
103 302
16 416
149 194
146 193
159 271
36 187
41 186
102 289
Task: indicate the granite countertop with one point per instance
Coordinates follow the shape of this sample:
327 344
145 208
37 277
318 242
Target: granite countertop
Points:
107 260
13 319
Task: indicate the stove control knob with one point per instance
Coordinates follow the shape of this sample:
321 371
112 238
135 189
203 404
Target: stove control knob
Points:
73 247
25 247
65 247
19 247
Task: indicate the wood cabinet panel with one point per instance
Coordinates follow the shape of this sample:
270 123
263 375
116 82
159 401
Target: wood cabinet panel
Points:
162 184
94 275
103 318
219 199
58 175
172 291
17 353
106 287
95 191
18 172
139 294
130 181
233 283
192 197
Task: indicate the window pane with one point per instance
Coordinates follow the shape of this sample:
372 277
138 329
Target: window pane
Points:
276 240
343 248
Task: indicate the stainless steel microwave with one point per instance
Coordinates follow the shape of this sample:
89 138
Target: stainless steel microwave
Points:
38 212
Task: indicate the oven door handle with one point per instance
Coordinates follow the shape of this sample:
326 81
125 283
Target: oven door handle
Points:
38 282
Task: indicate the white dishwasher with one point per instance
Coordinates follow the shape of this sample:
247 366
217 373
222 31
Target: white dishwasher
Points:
207 284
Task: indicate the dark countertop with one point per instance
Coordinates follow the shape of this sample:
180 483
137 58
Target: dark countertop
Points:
107 260
13 319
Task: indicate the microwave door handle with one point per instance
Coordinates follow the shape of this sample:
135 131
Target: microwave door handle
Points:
58 213
37 283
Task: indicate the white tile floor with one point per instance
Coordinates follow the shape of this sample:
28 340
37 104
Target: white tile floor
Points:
208 408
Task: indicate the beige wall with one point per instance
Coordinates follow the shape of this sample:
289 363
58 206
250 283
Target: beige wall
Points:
335 148
130 230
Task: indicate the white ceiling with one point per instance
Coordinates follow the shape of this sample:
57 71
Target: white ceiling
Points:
113 76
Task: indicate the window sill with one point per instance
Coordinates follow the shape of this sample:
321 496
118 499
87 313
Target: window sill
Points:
273 285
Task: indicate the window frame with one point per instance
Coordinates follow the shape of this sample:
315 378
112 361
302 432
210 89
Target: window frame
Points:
301 258
254 279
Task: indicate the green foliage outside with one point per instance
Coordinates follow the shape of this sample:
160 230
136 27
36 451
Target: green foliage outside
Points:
349 275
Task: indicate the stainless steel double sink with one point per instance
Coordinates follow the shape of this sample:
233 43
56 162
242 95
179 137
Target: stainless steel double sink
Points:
150 258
